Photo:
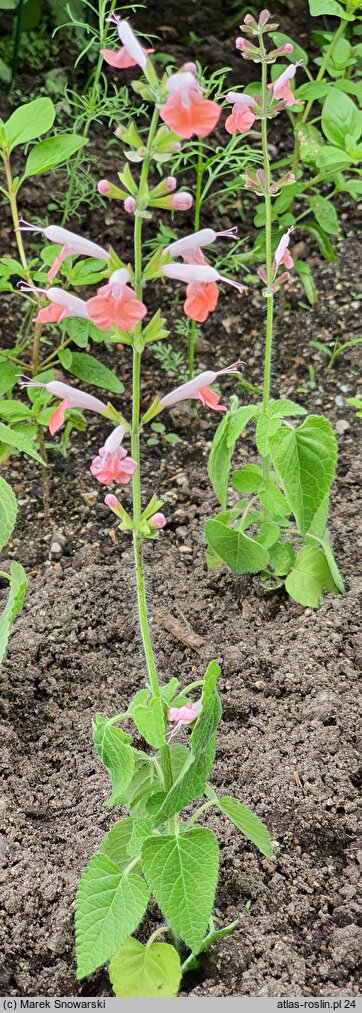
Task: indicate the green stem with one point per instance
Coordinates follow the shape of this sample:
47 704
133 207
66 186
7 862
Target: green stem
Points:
268 253
191 338
15 217
136 480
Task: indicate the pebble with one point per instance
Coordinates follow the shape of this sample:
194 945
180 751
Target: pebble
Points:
58 544
341 427
339 401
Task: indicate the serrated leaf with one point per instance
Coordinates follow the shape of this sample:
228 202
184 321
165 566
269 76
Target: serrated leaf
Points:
150 722
18 585
281 557
268 534
182 873
246 821
310 141
247 479
325 214
228 431
116 842
241 553
8 511
145 971
309 578
86 367
20 441
142 828
109 907
9 373
333 568
113 748
209 717
188 786
265 428
305 461
273 501
282 408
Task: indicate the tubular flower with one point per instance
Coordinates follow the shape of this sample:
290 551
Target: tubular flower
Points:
282 254
62 304
71 245
242 117
201 291
281 88
131 52
186 112
70 397
113 463
116 304
198 389
157 521
180 716
190 247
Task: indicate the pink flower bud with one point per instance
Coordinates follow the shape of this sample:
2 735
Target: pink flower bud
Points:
111 501
190 68
288 48
119 131
171 182
103 186
176 147
182 201
263 18
240 43
248 20
157 521
130 205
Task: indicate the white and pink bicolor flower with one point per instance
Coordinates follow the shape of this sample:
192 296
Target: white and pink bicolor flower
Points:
199 389
62 304
281 86
186 111
185 715
190 247
70 397
243 116
282 256
71 245
201 289
113 463
131 53
116 304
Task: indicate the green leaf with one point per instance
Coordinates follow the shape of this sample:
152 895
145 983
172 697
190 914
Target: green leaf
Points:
310 141
149 719
8 511
115 843
340 117
8 376
305 461
246 821
309 578
18 440
142 828
282 408
321 239
51 152
268 534
325 214
65 357
265 428
222 448
304 272
319 522
145 971
18 585
330 157
86 367
247 479
240 553
322 8
109 906
78 330
312 90
273 501
281 557
333 568
113 748
298 53
239 421
29 121
182 874
14 411
210 715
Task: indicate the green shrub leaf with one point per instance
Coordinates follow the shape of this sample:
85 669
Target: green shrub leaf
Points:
240 553
18 584
310 577
305 461
113 748
246 821
145 971
109 907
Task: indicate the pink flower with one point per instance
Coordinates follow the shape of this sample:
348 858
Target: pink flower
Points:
201 292
113 463
157 521
130 205
70 397
104 187
116 304
282 255
182 201
131 52
72 245
241 118
198 389
62 304
186 112
180 716
281 87
189 248
111 501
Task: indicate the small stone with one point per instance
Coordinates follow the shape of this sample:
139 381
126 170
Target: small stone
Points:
56 549
341 427
339 401
89 498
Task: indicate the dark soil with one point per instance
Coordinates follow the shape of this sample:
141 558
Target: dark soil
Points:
288 743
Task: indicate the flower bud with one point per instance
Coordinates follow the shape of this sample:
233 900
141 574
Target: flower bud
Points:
263 18
119 131
157 521
249 20
176 147
111 501
130 205
190 68
171 182
103 187
288 48
182 201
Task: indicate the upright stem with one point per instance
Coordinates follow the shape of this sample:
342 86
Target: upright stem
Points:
136 480
191 338
268 253
305 114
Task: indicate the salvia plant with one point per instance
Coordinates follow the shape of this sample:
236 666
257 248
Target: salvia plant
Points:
16 580
158 849
279 526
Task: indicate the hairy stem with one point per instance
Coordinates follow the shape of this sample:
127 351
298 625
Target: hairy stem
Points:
191 338
136 480
268 253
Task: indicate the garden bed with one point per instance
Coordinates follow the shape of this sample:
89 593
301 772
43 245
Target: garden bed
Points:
288 739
